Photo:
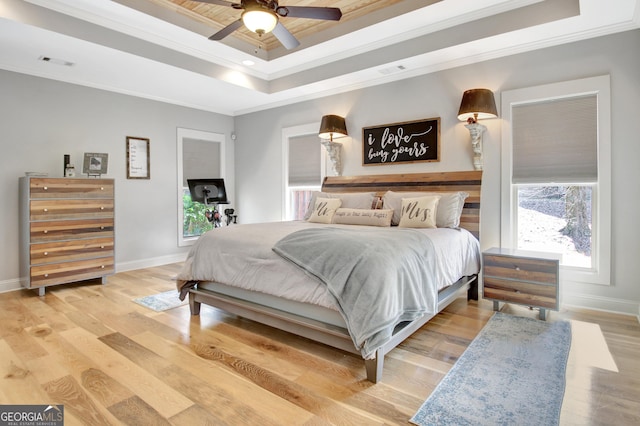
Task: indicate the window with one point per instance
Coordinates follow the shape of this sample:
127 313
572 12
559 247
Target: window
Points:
304 168
556 169
199 155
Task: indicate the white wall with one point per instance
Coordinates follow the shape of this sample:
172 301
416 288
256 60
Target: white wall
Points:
41 120
259 157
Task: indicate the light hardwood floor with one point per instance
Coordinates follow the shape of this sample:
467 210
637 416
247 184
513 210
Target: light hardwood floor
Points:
111 361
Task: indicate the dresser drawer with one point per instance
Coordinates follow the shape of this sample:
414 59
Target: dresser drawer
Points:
70 229
70 188
70 209
521 268
60 273
66 251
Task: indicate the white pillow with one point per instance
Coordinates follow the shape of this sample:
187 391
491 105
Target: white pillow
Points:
449 207
419 212
363 217
350 200
324 210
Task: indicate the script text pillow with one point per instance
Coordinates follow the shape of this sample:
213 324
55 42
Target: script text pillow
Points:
324 210
419 212
363 217
351 200
449 207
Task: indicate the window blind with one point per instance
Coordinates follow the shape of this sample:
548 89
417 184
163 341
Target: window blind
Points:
556 141
304 161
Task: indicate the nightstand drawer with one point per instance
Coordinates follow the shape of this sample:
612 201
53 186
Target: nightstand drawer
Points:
524 293
520 268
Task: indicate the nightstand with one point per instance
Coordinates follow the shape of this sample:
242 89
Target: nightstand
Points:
522 277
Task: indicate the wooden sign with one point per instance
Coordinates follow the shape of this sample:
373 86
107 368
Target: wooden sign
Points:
408 142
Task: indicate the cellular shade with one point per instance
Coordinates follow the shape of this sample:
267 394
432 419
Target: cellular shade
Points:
304 161
556 141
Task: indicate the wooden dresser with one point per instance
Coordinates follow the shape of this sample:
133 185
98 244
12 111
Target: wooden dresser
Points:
522 277
66 230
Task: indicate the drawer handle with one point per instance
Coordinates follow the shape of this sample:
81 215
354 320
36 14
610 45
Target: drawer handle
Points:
101 247
46 275
101 208
46 253
102 188
45 231
46 210
102 267
102 227
517 268
46 188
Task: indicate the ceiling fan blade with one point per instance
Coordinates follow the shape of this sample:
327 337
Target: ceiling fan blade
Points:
285 37
326 13
226 30
220 2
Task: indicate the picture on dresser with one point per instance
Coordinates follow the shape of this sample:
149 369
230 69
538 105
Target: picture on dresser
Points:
95 164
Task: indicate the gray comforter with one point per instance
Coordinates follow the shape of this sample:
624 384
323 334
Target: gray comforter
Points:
378 279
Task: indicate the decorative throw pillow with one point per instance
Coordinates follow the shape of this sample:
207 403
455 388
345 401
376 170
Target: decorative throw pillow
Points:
351 200
449 207
324 210
363 217
419 212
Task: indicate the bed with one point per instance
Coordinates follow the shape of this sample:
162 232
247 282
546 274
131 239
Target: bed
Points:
246 270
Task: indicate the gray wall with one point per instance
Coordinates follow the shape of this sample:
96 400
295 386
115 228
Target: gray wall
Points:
41 120
259 156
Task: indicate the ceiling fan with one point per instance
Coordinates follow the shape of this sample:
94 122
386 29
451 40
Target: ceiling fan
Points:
262 17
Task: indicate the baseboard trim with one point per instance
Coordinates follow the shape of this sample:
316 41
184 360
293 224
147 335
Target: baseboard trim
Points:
148 263
10 285
14 284
599 303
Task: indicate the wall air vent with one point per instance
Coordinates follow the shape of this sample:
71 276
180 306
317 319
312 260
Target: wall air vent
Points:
56 61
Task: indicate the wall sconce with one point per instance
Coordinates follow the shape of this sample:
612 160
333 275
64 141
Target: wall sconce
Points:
333 126
477 104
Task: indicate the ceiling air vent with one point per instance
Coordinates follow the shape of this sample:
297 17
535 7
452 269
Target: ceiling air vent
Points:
391 70
56 61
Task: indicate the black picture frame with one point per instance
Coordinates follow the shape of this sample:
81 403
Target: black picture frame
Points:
405 142
138 158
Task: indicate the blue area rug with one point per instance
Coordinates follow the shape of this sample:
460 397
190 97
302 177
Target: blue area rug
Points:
161 301
513 373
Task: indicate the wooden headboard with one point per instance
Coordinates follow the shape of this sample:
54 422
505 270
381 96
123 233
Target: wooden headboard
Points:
470 182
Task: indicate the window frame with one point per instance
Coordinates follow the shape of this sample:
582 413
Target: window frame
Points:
600 273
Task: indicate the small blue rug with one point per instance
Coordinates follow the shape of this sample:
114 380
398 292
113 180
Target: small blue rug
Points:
161 301
513 373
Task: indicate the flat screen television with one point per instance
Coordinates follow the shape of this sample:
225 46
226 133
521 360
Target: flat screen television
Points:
208 191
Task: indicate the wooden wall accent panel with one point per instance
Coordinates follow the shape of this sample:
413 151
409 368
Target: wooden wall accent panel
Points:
66 230
468 181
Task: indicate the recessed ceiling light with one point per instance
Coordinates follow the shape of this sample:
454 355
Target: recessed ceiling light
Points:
56 61
248 62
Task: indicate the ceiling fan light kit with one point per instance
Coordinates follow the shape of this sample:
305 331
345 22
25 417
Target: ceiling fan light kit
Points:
262 17
260 21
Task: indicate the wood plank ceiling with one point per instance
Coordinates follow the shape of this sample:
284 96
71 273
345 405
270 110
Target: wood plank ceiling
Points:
218 17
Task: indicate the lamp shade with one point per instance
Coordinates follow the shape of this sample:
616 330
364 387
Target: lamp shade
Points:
332 126
477 104
259 21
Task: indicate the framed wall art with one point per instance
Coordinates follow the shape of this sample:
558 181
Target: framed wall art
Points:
138 158
407 142
95 164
